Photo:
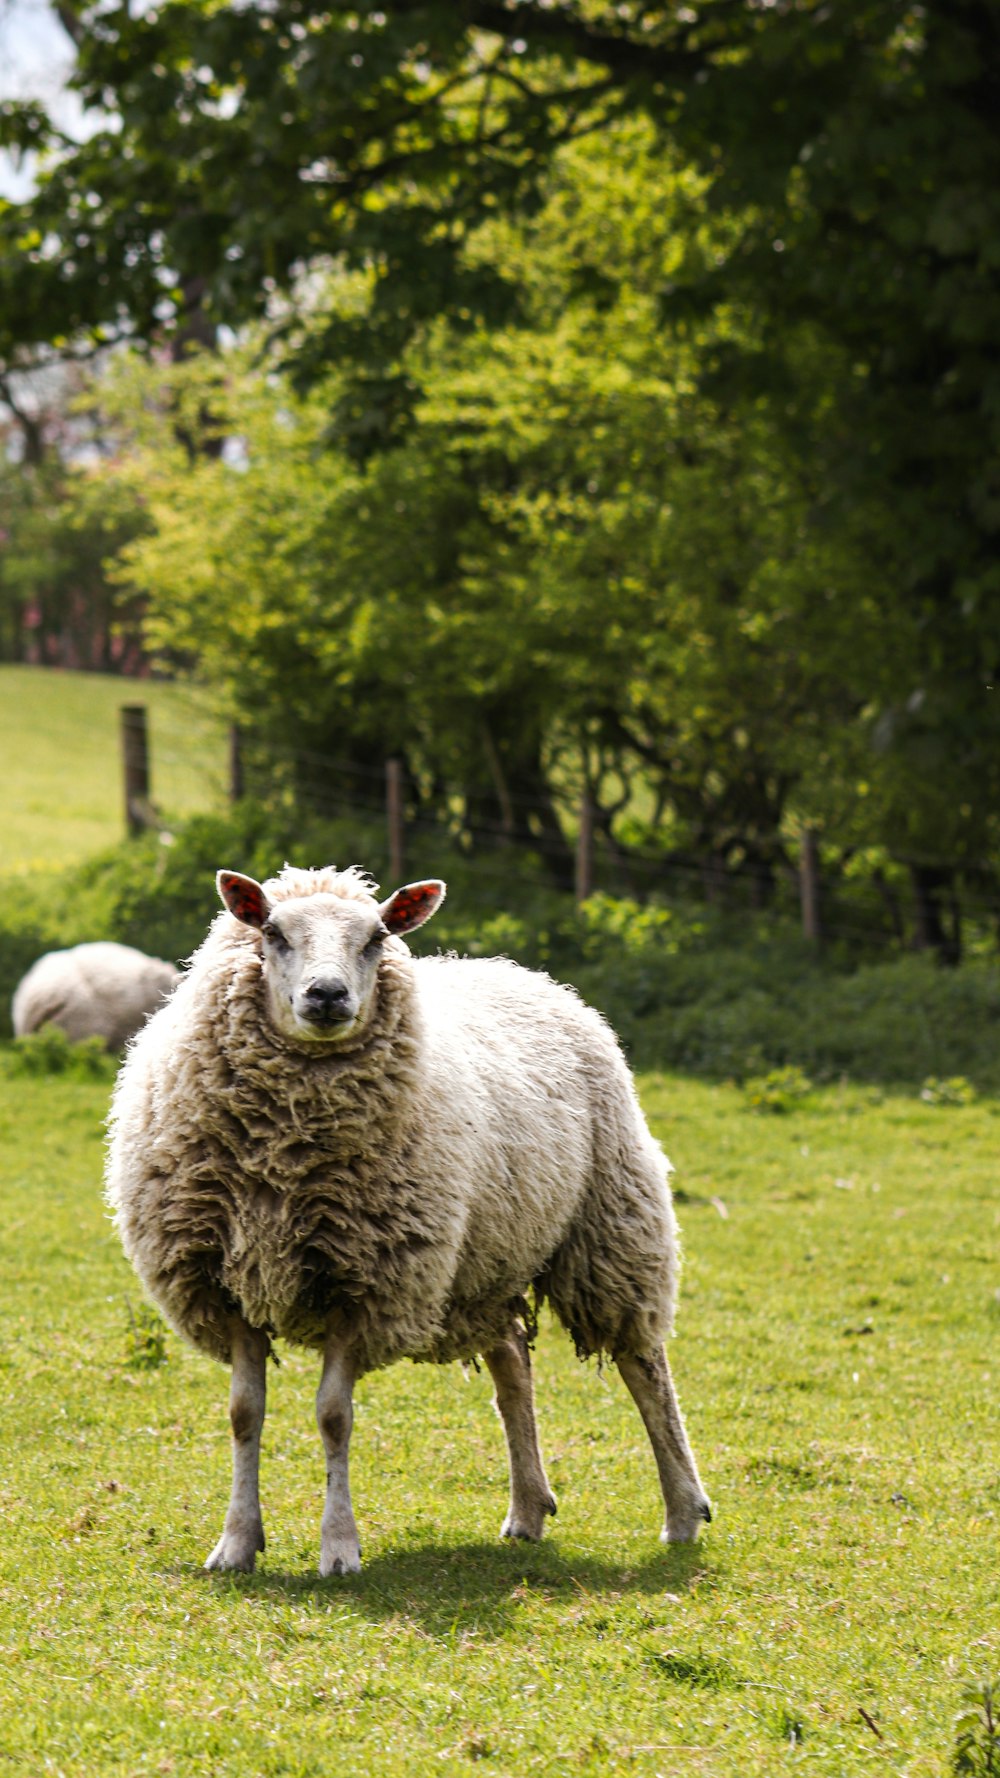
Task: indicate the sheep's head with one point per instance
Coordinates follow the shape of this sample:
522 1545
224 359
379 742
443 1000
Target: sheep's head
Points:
323 935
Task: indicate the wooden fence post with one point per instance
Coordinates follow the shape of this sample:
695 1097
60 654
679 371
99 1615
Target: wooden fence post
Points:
585 847
135 760
237 785
394 817
809 884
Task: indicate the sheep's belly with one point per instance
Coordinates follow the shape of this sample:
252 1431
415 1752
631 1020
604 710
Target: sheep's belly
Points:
291 1288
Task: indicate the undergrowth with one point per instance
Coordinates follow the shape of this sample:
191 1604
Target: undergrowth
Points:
977 1732
722 995
50 1051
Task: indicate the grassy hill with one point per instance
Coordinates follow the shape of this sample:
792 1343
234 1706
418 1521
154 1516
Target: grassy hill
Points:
61 788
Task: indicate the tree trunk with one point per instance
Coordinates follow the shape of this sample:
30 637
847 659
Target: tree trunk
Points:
890 901
713 878
929 932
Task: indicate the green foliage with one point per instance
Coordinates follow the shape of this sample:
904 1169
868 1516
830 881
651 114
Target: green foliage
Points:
145 1338
778 1091
566 569
24 937
62 528
684 985
897 1021
582 560
977 1732
50 1051
385 140
955 1091
678 323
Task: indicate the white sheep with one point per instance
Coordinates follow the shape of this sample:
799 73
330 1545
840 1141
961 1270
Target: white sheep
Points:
97 990
323 1138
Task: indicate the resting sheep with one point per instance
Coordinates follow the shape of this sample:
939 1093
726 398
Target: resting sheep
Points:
97 990
323 1138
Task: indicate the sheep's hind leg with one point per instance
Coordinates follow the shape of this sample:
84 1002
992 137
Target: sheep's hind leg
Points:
531 1498
243 1531
340 1552
651 1387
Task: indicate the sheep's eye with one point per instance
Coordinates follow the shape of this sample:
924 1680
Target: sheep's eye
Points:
376 941
275 937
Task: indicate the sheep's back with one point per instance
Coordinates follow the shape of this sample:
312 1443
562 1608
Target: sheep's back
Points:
539 1104
101 990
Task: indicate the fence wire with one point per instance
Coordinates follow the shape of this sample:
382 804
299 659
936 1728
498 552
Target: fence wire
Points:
854 911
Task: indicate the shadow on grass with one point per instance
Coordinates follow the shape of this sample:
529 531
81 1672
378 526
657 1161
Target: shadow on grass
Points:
477 1586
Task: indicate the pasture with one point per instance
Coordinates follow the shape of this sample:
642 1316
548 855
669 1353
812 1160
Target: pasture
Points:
59 740
837 1358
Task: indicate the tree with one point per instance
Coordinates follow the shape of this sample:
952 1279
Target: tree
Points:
846 162
575 562
64 514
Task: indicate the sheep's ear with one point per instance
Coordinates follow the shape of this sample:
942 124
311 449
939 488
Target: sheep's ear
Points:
243 897
412 905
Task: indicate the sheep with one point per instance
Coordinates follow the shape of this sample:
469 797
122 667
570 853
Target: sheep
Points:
322 1138
96 990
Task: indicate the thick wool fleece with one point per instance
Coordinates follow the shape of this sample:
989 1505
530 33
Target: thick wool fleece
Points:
479 1137
97 990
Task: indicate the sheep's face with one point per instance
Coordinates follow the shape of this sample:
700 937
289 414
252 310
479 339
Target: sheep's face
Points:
321 952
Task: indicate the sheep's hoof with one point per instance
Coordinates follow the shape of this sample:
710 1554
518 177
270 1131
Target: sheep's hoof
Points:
683 1527
345 1559
236 1551
527 1524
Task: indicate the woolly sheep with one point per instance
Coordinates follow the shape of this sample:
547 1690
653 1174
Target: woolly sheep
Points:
323 1138
97 990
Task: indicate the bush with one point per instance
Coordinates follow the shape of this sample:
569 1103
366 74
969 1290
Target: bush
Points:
955 1091
50 1051
685 986
24 935
781 1090
153 892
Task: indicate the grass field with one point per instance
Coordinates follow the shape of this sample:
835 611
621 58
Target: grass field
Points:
837 1355
61 795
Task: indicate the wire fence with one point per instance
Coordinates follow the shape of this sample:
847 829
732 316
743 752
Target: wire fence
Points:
884 906
556 838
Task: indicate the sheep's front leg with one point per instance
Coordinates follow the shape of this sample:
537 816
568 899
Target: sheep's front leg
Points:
531 1498
243 1531
340 1552
652 1389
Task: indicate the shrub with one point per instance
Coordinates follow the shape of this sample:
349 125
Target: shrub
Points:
956 1091
24 936
686 986
50 1051
154 892
778 1091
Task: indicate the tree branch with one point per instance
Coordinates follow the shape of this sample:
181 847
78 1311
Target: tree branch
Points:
572 36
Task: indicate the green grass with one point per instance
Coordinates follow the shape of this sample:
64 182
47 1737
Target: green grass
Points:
837 1355
62 795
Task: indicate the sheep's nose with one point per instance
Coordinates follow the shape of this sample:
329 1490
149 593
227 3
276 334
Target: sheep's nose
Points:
328 1002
